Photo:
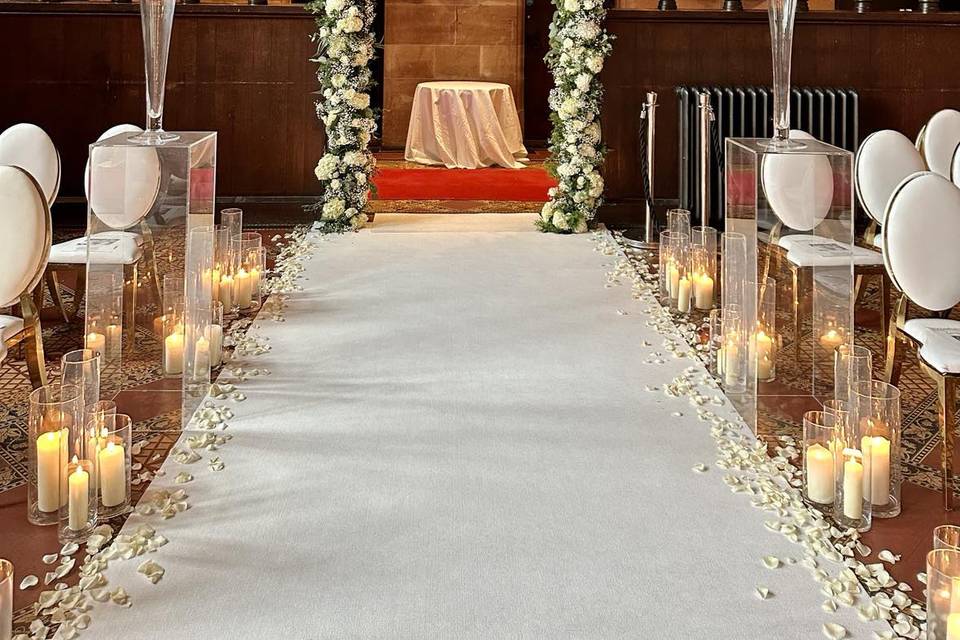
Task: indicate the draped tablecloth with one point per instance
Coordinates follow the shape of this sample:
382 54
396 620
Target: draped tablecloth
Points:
465 125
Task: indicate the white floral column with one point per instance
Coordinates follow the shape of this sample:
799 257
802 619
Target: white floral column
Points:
345 47
578 47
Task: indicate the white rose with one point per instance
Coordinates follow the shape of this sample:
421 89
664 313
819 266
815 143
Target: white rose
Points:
583 81
595 63
350 24
361 177
560 221
327 167
581 226
333 6
360 100
338 79
547 212
333 209
571 5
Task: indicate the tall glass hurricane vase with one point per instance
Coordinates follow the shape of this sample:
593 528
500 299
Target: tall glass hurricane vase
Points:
781 14
156 21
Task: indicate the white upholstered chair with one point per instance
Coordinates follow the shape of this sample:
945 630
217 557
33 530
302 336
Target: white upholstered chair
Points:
29 147
921 229
938 140
23 206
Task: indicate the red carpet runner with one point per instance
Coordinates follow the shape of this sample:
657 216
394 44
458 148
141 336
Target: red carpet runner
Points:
528 185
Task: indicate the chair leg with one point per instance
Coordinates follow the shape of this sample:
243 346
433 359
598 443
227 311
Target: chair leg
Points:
948 396
53 284
80 293
33 344
886 309
796 311
130 277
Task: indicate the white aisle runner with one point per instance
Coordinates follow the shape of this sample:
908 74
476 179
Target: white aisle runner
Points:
456 443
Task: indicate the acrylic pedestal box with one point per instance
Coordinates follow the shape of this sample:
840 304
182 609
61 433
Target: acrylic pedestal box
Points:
789 216
150 228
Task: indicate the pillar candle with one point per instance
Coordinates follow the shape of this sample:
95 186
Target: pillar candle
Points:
93 450
226 292
255 280
683 295
831 339
876 450
731 367
215 337
95 342
820 472
765 356
173 353
113 473
953 626
215 281
201 356
79 502
50 463
113 338
673 279
853 485
243 288
703 291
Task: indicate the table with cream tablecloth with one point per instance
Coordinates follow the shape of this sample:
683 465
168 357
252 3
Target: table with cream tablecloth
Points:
465 125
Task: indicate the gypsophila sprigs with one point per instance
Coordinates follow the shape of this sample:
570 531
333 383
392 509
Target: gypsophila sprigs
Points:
579 44
345 47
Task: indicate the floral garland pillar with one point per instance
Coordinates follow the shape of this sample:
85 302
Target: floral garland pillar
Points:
345 47
579 44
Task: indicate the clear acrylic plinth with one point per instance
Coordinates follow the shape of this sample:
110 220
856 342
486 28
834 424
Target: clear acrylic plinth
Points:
150 221
793 207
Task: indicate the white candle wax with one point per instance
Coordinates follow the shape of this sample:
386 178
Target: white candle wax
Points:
226 292
201 355
876 451
831 339
721 358
113 473
254 280
765 356
51 459
113 338
79 503
853 485
703 291
683 295
820 474
953 626
215 337
242 282
95 342
215 282
173 353
673 279
731 367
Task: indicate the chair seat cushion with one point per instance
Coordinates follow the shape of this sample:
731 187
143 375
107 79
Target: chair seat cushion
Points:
10 326
878 240
109 247
939 342
812 251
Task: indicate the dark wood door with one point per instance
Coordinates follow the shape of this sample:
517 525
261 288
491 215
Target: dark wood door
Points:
536 79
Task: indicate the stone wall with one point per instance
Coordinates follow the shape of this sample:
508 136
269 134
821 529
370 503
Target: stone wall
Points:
447 40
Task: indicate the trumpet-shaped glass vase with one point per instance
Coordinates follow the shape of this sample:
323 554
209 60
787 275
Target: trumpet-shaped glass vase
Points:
156 21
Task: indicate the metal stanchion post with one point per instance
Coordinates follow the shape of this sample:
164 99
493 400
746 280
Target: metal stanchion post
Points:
648 116
706 117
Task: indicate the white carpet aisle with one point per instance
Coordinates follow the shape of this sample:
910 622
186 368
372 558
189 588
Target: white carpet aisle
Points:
456 443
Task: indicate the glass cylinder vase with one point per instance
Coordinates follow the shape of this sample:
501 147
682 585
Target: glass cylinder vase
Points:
232 220
173 325
215 334
946 536
114 464
943 594
704 241
852 364
766 339
225 268
875 407
678 221
78 514
671 247
852 506
246 248
820 438
81 368
6 599
54 430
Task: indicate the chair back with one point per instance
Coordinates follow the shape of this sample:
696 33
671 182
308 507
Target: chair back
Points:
939 139
884 159
798 187
920 240
122 182
25 233
109 133
29 147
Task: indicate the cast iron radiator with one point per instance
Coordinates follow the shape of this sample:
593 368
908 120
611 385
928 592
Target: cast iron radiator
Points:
829 114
